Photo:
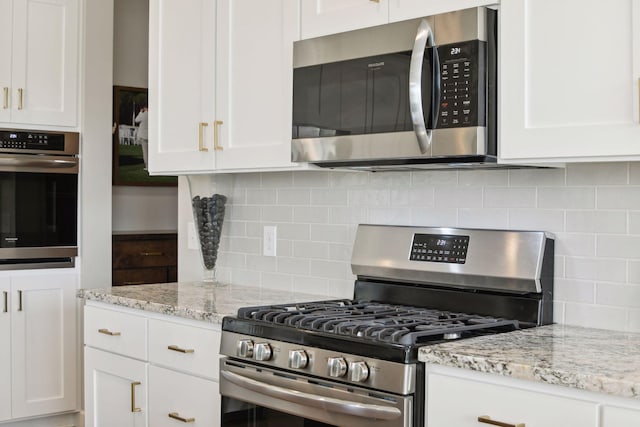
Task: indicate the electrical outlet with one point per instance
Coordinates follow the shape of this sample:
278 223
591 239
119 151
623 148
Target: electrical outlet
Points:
192 237
269 240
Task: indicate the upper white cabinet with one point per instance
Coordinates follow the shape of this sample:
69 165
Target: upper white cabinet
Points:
182 41
322 17
400 10
569 75
39 44
220 85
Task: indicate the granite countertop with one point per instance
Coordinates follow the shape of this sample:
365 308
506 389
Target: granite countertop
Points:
208 302
596 360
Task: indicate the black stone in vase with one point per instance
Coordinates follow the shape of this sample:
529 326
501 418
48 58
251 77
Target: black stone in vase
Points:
209 215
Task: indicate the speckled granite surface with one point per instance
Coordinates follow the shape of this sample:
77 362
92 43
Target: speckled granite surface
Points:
208 302
596 360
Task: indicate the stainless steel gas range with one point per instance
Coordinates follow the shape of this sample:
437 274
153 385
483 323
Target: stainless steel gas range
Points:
354 362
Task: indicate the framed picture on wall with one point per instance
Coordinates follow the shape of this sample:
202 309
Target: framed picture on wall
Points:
131 139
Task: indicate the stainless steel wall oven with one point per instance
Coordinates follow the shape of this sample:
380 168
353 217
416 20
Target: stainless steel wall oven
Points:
352 363
38 198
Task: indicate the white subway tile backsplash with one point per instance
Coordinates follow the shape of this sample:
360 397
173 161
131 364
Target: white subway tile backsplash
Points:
574 291
536 219
294 197
538 177
567 198
597 221
619 197
618 246
509 197
597 174
590 208
483 218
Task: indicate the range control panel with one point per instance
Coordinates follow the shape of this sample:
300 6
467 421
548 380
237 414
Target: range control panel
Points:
462 86
439 248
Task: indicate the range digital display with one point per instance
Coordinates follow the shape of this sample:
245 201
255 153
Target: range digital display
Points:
439 248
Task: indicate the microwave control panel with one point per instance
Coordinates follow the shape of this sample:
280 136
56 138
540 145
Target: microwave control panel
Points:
26 140
462 85
439 248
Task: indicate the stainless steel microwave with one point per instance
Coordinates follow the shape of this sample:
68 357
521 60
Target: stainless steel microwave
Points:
412 94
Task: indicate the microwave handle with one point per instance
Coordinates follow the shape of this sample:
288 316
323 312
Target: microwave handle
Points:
424 39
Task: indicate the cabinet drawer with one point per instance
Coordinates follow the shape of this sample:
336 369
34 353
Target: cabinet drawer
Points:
183 347
617 417
453 401
144 253
138 276
117 332
176 398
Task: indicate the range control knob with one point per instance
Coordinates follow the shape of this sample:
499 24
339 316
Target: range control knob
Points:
358 372
337 367
245 348
262 352
298 359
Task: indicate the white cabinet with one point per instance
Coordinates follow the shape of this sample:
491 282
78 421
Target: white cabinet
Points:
400 10
569 80
115 390
220 85
182 43
322 17
39 72
144 369
177 398
39 352
618 417
454 401
5 349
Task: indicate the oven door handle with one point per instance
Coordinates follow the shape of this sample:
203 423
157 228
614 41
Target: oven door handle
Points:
322 402
34 163
424 39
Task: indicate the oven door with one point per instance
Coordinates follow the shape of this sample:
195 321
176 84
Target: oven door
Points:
261 397
38 207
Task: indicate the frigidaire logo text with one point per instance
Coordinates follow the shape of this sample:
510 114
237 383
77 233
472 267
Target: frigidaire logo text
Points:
376 64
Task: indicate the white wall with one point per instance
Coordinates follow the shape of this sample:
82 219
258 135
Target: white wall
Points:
137 208
593 209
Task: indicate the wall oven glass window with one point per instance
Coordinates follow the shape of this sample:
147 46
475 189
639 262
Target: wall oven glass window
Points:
38 198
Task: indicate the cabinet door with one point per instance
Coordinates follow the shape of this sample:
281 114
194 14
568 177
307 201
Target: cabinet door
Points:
569 80
6 18
176 398
44 343
400 10
255 82
181 85
45 62
322 17
459 402
115 390
5 349
618 417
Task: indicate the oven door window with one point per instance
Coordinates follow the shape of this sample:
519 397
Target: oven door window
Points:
38 209
240 414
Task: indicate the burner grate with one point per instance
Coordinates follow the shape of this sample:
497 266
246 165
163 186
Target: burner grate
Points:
396 324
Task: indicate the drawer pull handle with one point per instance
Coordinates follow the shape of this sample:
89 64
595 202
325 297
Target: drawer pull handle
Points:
216 138
177 416
201 146
485 419
20 98
20 301
6 97
151 253
108 332
133 397
5 295
181 350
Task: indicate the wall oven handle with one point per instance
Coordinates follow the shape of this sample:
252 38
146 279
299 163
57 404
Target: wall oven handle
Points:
333 405
29 161
424 39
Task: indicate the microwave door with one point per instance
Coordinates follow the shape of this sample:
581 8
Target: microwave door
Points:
424 40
